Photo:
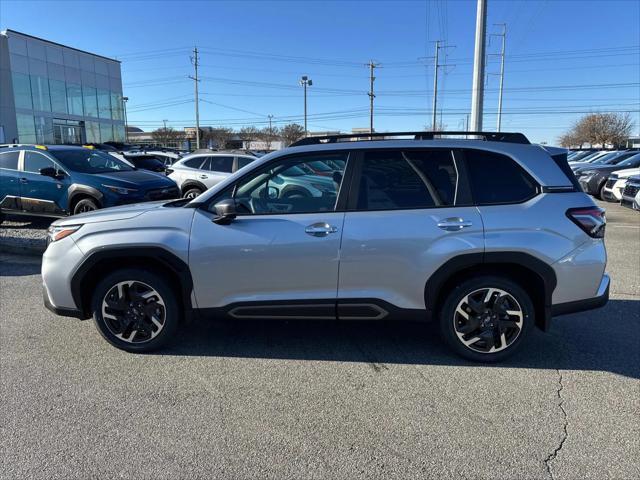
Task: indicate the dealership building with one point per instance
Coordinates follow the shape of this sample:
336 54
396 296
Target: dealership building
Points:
54 94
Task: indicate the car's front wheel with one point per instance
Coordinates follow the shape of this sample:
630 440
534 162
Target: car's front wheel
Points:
135 310
486 318
85 205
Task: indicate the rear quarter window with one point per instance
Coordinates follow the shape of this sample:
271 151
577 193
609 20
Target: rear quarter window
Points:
497 179
194 162
9 160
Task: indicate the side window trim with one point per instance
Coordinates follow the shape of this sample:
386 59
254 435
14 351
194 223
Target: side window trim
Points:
343 194
352 203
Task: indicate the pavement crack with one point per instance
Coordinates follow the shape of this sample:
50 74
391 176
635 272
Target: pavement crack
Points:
565 424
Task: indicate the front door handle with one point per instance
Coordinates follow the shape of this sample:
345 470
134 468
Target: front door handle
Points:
204 176
454 224
320 229
24 180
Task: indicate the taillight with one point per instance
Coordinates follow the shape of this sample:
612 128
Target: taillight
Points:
590 219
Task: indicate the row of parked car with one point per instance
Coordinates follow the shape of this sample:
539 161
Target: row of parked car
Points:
611 175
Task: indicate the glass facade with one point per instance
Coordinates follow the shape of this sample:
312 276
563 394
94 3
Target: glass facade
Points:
60 94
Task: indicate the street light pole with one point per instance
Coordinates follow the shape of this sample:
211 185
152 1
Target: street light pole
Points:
477 92
305 81
126 123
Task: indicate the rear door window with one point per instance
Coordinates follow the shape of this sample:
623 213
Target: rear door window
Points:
9 160
497 179
219 164
407 179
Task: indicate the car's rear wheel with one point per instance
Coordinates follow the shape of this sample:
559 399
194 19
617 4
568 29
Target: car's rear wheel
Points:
192 192
135 310
486 318
85 205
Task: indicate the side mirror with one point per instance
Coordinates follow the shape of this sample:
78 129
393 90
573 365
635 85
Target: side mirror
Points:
273 193
225 212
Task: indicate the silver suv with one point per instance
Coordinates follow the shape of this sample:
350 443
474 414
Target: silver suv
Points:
489 237
196 173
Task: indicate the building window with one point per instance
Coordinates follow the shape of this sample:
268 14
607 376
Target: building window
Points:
104 104
44 130
116 106
22 91
118 131
40 94
90 101
106 132
74 99
93 132
58 91
26 128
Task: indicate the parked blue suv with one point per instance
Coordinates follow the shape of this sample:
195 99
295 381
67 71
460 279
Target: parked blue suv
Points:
60 180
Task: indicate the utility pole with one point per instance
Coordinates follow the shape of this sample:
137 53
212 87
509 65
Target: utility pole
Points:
371 66
504 41
270 136
477 92
165 124
305 82
435 87
195 79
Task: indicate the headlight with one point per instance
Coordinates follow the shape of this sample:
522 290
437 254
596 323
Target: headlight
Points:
58 232
120 190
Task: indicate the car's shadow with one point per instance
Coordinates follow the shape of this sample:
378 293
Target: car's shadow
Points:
607 339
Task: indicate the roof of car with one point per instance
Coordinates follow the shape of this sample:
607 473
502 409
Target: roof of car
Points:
44 147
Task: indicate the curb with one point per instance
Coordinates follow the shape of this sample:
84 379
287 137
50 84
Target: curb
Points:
28 248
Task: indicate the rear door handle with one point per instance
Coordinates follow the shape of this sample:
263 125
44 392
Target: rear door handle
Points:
24 180
454 224
320 229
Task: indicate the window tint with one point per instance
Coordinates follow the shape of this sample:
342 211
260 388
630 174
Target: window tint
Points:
495 178
9 160
219 164
394 179
34 161
244 161
286 188
194 162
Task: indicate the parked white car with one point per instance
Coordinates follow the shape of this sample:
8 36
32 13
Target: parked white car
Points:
616 182
196 173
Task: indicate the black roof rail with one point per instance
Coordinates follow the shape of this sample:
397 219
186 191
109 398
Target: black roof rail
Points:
487 136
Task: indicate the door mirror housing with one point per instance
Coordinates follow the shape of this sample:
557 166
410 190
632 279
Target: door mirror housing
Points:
273 193
226 211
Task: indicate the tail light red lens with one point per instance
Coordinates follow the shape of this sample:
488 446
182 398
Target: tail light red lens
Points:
591 220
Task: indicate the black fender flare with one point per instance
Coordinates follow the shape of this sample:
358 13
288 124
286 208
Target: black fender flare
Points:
158 254
457 264
187 184
76 189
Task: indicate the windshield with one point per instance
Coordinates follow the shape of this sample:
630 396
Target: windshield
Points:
294 171
89 161
630 162
145 162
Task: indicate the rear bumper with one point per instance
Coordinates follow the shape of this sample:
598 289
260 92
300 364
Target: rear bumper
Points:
600 300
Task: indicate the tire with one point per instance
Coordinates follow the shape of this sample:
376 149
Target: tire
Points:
489 338
296 194
600 194
192 192
85 205
124 303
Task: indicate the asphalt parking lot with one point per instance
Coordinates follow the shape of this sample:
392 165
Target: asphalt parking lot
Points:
321 399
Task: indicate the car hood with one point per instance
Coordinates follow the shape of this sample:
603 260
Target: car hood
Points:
627 172
134 179
113 213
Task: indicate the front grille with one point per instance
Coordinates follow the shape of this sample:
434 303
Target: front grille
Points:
631 190
163 193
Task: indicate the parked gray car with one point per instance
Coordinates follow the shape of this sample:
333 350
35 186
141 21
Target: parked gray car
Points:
404 229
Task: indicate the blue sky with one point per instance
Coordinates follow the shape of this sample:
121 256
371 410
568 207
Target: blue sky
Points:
563 58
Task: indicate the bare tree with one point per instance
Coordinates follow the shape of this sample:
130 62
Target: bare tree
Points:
600 129
220 136
166 136
248 135
291 133
268 135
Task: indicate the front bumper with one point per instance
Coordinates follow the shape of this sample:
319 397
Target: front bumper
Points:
600 300
64 312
